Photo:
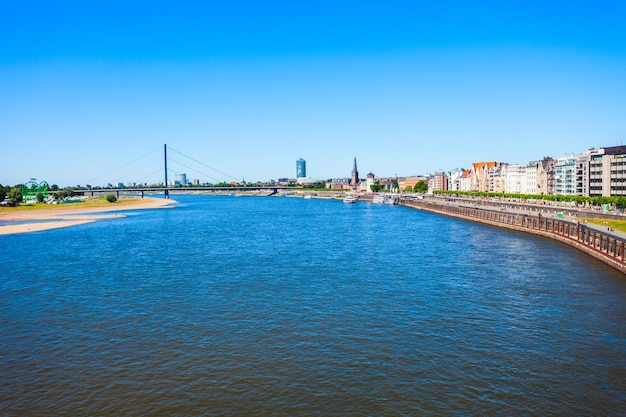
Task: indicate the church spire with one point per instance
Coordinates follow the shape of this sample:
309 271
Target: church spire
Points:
355 173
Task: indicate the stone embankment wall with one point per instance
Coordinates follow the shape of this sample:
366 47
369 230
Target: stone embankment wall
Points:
602 246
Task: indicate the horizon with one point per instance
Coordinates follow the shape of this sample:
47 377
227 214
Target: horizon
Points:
248 89
232 180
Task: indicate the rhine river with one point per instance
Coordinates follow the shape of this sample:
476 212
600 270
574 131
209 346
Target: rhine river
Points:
228 306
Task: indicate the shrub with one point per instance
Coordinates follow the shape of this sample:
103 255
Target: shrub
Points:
111 198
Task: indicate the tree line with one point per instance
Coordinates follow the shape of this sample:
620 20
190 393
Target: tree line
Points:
14 193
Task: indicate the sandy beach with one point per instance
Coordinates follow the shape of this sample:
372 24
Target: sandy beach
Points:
58 216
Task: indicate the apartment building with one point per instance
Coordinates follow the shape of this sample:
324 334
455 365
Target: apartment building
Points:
546 177
454 177
497 178
465 181
439 182
530 181
601 172
565 175
615 158
515 178
535 177
407 184
480 175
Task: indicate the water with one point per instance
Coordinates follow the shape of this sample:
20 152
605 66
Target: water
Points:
292 307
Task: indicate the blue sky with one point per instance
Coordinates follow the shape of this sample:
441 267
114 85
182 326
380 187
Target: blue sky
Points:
90 91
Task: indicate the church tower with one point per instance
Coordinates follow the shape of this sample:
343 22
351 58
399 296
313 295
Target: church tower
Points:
355 174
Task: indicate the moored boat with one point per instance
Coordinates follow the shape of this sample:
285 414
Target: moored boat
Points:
378 199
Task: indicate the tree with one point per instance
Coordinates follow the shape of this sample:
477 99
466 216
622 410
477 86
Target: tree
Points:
15 194
40 197
620 202
4 190
376 187
421 187
68 192
111 198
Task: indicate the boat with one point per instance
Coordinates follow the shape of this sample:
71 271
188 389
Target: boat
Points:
390 201
308 197
378 199
349 199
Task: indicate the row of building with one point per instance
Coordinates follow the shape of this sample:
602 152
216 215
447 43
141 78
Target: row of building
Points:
594 173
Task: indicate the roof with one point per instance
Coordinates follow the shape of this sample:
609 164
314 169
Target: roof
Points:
480 165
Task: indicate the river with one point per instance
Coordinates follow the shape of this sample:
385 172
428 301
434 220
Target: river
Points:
291 307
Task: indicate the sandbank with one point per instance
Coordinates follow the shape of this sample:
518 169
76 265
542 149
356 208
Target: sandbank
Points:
58 216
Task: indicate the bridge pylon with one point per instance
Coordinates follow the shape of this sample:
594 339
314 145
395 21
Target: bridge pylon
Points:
166 192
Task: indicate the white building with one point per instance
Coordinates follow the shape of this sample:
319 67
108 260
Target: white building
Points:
515 178
530 186
601 172
497 178
454 179
181 179
565 175
369 181
465 181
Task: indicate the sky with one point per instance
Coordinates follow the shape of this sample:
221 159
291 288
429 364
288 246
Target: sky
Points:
90 92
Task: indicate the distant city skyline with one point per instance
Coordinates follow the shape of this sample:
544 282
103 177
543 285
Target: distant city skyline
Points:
247 88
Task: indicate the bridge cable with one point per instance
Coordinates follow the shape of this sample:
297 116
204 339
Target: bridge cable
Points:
192 169
151 163
205 165
123 166
152 174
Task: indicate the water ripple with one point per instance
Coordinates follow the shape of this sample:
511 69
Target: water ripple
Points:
278 306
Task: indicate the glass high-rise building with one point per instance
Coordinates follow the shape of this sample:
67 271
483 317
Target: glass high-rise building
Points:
181 179
300 168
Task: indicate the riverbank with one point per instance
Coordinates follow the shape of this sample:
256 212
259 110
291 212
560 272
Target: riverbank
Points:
46 217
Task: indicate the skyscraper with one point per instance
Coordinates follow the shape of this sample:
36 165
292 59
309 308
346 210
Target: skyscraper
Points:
355 174
300 168
181 179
